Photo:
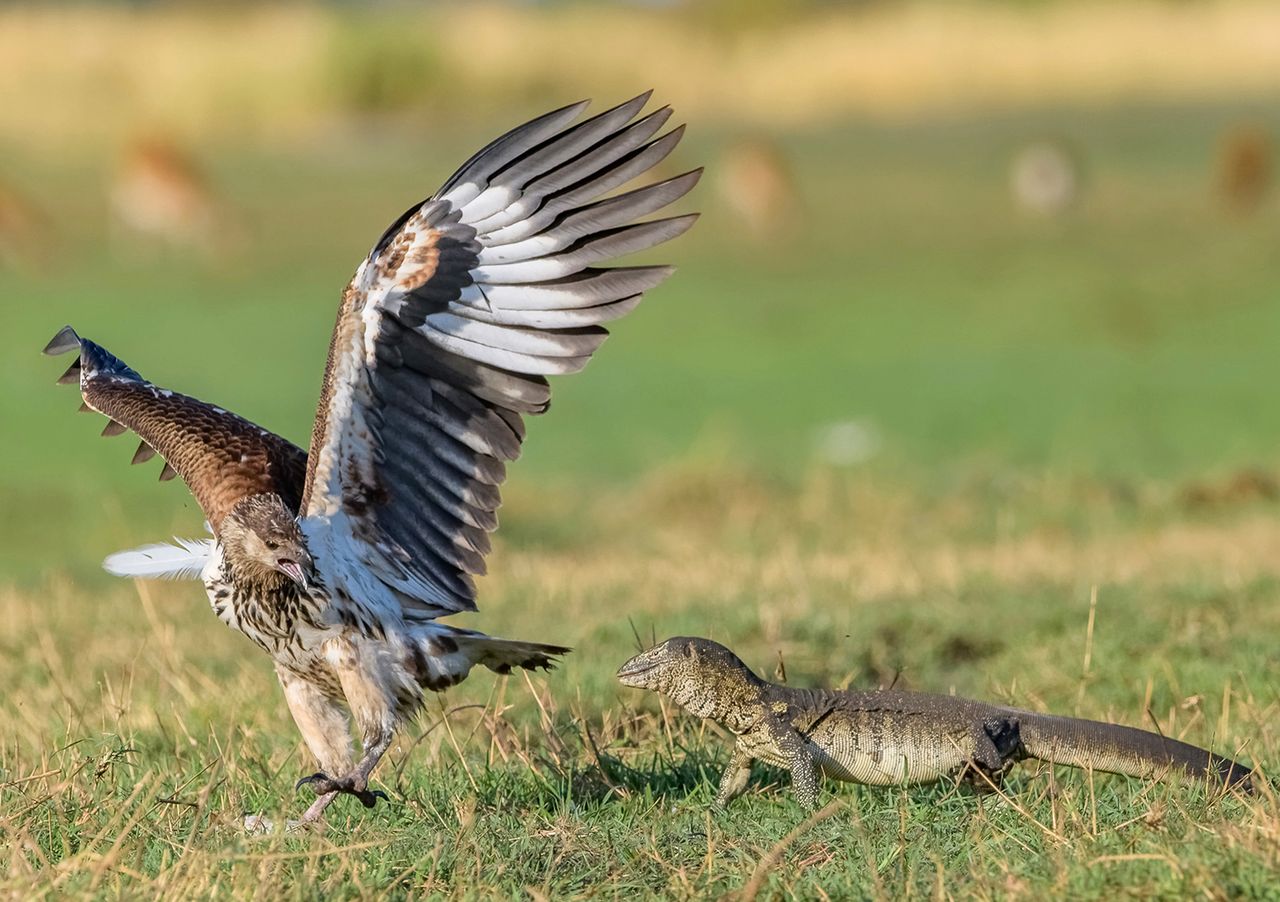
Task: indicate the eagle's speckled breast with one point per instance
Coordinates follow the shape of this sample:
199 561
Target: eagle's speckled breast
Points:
282 620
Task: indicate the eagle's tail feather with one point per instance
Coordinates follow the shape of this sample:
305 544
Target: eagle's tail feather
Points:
501 655
444 655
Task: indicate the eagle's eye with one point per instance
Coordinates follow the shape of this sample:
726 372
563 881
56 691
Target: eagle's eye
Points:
272 544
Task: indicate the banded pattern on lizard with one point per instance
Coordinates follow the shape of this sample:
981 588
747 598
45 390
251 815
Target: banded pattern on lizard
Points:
888 737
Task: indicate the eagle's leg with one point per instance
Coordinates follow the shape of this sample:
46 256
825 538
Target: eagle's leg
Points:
314 811
323 721
325 727
327 789
356 782
374 709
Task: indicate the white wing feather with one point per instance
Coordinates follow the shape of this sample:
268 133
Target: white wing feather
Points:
184 560
446 333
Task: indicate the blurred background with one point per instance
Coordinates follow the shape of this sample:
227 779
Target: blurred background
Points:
947 249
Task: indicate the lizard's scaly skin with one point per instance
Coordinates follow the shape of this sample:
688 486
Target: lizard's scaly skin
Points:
888 737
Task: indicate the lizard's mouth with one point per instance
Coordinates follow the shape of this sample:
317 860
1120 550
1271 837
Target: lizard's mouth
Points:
632 673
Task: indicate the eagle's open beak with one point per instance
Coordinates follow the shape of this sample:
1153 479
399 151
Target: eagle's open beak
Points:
295 571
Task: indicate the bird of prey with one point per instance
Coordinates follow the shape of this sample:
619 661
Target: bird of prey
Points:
338 561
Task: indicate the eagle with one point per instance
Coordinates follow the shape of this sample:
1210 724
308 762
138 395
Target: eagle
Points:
340 561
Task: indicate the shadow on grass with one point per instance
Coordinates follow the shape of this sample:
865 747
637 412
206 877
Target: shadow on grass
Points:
688 773
597 779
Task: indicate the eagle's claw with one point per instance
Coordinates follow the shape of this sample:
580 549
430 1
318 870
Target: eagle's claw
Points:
319 782
322 783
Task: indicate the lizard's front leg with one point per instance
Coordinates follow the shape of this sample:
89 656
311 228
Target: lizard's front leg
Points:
804 777
794 749
736 774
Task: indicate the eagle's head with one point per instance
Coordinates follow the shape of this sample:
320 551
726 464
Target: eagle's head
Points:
262 541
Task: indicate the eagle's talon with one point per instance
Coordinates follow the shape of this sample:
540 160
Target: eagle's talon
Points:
322 784
319 782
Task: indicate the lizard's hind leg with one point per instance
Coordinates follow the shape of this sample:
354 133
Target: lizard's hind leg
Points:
997 747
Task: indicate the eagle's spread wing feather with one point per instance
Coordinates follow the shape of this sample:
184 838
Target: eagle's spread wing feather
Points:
448 329
221 457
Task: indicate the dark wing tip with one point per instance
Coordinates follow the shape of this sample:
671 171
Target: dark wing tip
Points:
66 340
72 374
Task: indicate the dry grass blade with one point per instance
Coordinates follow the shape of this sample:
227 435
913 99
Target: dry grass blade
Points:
770 859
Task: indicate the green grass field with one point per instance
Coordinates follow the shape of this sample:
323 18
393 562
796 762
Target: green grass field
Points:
1064 408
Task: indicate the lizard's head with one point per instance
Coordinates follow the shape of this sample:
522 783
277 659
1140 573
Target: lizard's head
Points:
261 537
699 675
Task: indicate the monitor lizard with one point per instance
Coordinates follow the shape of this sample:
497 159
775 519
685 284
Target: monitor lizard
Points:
888 737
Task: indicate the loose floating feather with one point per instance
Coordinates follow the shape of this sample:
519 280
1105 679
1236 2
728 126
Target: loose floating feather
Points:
184 560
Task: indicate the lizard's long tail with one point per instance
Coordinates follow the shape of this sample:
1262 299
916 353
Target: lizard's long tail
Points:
1122 750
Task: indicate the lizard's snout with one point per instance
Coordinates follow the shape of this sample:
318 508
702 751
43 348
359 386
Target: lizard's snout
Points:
633 672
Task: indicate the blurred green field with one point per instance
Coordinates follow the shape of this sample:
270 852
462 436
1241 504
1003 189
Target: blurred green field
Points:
1136 339
1058 402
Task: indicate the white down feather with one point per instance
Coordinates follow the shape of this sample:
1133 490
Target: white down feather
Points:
184 560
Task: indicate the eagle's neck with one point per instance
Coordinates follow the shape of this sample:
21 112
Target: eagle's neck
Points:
252 578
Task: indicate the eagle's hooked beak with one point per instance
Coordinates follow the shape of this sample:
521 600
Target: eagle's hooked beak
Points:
300 570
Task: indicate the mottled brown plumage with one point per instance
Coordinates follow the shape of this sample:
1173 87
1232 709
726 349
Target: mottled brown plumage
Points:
338 562
221 457
885 737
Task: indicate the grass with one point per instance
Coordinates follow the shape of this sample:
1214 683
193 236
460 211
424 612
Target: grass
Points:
143 730
1063 407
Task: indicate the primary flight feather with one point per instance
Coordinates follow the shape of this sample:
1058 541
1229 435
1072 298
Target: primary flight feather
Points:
338 561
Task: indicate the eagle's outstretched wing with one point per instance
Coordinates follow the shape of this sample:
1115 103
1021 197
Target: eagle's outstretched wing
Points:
447 332
221 457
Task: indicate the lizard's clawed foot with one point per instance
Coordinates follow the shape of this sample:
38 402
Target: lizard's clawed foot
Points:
322 784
